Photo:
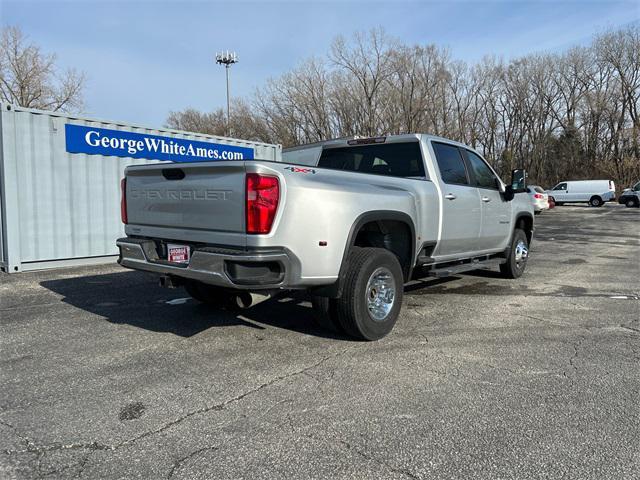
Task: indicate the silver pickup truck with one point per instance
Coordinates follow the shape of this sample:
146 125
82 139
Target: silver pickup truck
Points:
351 222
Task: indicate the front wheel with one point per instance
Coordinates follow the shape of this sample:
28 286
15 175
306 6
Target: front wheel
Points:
518 256
372 293
632 202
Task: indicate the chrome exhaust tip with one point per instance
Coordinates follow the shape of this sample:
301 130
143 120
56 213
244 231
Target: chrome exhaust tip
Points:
245 300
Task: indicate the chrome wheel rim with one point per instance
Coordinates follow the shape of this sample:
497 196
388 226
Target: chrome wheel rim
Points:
521 253
380 293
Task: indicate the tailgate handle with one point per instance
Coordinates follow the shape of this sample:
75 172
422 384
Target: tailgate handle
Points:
173 173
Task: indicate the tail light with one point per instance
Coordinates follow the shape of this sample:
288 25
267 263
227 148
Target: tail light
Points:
538 195
123 201
263 194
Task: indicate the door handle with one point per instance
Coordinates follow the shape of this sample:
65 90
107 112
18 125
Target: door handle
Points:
450 196
486 199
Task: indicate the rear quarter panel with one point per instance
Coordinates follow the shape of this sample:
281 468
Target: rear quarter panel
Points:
321 205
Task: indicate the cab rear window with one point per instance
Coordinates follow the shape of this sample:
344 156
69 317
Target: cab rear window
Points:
391 159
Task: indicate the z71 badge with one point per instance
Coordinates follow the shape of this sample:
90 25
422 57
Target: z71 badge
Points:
300 170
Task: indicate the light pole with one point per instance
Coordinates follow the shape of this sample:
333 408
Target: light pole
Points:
227 59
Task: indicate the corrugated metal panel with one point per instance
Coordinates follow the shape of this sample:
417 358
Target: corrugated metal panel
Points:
68 205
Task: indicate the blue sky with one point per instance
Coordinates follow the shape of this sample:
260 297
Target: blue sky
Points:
144 58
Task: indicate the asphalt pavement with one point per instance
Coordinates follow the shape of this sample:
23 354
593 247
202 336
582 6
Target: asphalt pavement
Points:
103 374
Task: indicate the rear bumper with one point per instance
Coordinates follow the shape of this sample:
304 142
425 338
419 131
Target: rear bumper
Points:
540 205
251 270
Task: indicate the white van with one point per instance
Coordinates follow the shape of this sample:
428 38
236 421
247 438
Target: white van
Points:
593 192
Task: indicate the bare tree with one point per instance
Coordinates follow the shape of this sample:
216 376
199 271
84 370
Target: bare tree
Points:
244 122
192 120
30 78
565 116
368 62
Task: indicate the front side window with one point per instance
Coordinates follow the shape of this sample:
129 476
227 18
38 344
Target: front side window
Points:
450 163
636 187
485 178
560 186
391 159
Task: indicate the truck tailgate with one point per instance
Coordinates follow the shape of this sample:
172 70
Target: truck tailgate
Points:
201 202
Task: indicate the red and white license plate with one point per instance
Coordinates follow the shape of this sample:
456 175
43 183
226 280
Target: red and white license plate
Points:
177 253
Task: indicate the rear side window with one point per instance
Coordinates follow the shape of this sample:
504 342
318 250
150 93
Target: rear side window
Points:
450 163
483 174
391 159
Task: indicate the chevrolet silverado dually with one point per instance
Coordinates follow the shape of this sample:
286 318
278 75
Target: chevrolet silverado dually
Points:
350 221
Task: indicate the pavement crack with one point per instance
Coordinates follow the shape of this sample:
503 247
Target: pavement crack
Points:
222 405
572 360
181 461
633 329
371 458
82 465
15 431
55 447
40 450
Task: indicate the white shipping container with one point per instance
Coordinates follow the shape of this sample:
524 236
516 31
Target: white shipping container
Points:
60 199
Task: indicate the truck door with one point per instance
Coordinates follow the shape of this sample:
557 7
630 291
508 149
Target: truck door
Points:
559 192
495 229
461 209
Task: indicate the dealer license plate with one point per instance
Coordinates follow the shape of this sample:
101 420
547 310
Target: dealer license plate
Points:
177 253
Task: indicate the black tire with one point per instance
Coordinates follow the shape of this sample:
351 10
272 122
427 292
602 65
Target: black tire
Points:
596 201
325 315
515 264
631 203
208 294
352 308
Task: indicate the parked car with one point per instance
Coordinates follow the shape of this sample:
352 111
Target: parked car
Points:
539 198
352 227
630 197
593 192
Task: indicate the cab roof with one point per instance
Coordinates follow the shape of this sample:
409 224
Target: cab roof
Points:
359 140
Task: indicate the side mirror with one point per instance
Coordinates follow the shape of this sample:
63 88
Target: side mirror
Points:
508 193
519 180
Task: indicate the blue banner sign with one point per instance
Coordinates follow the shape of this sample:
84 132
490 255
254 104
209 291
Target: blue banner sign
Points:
118 143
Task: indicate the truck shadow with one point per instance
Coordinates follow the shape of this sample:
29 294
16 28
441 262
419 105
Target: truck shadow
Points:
135 298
